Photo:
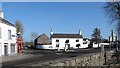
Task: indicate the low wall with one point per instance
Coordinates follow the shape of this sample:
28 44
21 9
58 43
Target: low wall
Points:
96 45
44 47
94 59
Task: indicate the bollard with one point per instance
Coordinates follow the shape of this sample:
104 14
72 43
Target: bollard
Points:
105 58
102 48
65 49
117 56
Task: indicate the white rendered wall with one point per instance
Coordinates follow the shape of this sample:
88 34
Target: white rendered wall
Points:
86 45
95 45
4 36
0 48
72 42
44 47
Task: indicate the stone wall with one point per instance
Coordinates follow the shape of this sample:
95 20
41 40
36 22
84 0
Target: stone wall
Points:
94 59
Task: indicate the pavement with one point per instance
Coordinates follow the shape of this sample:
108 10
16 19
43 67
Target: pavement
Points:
15 57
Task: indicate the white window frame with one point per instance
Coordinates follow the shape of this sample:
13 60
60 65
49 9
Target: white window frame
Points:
9 35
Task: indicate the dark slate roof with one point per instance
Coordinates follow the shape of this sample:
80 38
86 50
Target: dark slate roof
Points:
66 36
6 22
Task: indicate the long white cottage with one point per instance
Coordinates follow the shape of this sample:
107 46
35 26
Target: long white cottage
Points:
68 41
65 41
7 37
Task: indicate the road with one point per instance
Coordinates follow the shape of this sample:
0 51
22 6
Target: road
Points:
41 56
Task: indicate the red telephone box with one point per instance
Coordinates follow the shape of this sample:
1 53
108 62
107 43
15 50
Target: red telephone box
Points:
19 43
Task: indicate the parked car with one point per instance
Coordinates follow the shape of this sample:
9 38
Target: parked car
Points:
25 47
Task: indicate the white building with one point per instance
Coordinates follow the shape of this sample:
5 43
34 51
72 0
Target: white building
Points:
68 41
112 39
7 37
65 41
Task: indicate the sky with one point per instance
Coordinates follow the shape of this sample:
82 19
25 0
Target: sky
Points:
61 17
58 0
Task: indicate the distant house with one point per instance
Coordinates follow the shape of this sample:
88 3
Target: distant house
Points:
42 40
86 42
7 37
64 41
68 41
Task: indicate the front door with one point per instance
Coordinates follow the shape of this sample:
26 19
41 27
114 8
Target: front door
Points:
5 49
68 46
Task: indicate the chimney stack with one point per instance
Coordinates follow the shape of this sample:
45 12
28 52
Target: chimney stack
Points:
1 14
80 33
51 32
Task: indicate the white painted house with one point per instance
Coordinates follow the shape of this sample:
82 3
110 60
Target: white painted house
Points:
65 41
68 41
7 37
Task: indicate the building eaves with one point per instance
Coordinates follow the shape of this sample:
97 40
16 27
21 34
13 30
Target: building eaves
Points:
6 22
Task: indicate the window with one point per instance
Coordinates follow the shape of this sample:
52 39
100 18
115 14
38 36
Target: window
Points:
0 32
57 40
57 45
85 42
12 47
67 41
77 40
84 39
9 35
77 45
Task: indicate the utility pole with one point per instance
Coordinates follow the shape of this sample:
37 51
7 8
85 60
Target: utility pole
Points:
112 35
116 44
112 38
109 43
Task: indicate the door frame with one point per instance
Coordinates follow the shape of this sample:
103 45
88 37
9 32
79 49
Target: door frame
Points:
5 49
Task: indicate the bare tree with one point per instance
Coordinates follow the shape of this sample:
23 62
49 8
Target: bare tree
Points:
96 36
20 28
112 10
34 35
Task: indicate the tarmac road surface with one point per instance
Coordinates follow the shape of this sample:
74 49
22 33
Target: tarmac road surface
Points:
33 57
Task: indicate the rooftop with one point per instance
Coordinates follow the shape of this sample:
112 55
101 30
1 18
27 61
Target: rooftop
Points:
66 36
6 22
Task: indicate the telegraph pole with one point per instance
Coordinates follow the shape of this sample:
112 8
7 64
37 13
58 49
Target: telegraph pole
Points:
112 38
116 43
109 43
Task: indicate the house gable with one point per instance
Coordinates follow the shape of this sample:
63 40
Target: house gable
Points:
42 39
